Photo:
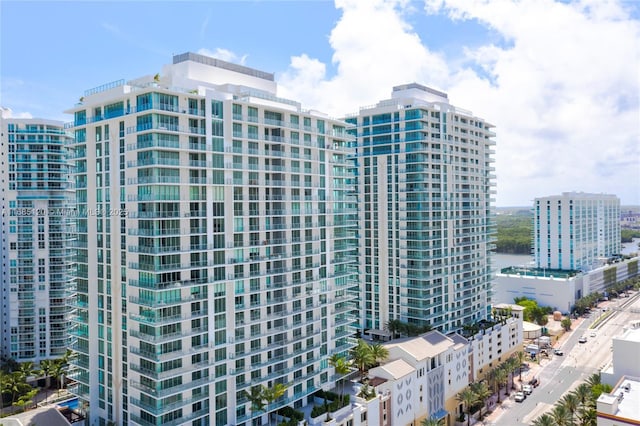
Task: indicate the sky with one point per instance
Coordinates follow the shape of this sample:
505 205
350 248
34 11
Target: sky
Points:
560 80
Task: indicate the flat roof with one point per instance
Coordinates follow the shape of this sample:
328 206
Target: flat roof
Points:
631 334
628 400
48 415
420 87
539 272
511 306
427 345
218 63
397 369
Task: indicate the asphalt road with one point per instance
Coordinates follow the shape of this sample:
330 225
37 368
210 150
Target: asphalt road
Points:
561 374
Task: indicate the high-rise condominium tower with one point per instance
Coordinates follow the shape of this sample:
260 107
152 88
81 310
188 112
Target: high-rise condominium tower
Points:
424 179
36 267
214 246
575 230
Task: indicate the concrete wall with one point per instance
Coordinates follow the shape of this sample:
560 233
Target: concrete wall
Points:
558 293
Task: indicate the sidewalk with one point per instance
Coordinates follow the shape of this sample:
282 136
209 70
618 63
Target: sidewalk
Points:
493 418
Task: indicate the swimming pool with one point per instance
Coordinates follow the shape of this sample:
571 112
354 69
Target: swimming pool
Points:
72 404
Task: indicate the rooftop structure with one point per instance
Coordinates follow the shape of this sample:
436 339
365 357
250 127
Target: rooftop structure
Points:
622 405
215 246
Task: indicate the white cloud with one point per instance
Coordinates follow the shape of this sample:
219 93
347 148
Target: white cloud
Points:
565 98
562 88
8 113
224 54
374 50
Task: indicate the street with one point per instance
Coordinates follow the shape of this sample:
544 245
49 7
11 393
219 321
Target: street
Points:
561 374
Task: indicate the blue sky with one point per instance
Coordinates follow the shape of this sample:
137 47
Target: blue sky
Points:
559 79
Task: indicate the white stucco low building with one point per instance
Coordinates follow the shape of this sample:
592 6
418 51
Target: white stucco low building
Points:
622 405
493 345
558 289
423 374
625 353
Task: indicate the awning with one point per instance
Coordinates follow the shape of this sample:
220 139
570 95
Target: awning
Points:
440 414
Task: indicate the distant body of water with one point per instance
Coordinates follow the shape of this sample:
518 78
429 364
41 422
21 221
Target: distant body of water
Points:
501 260
632 247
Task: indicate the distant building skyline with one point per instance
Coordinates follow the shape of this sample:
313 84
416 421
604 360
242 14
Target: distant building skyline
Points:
575 230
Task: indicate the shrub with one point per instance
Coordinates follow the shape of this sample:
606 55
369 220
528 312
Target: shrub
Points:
291 413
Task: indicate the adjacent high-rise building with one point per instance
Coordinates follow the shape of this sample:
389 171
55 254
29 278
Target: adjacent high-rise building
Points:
424 176
37 256
214 246
575 230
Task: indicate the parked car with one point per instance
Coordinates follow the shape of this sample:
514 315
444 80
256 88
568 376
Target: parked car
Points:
558 352
534 382
527 389
583 339
520 396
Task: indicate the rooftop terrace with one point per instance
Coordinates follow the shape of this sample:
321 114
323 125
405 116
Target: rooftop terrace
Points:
539 272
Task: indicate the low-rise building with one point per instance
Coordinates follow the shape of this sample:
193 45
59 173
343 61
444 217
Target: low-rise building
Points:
492 345
624 357
423 375
559 289
439 366
622 405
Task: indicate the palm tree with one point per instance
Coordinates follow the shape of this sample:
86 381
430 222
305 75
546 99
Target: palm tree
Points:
341 367
256 399
511 364
542 320
394 327
25 400
14 384
583 392
27 369
379 352
468 398
490 377
520 356
500 376
362 356
430 421
561 415
57 371
588 416
46 367
594 380
272 394
544 420
482 391
571 403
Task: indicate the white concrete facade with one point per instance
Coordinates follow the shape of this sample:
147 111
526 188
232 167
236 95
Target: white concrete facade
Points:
622 405
625 350
425 181
424 374
575 230
37 259
495 344
559 289
214 246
